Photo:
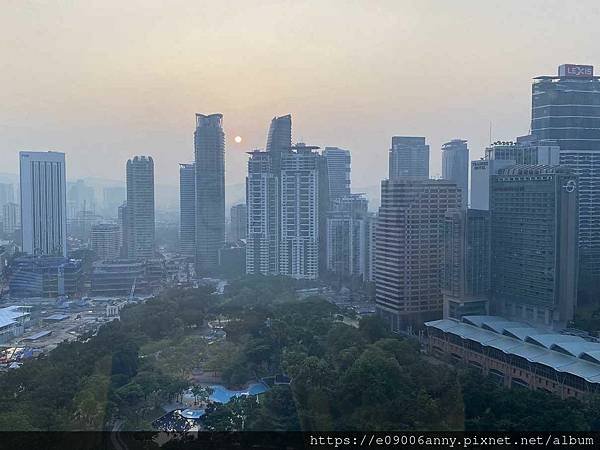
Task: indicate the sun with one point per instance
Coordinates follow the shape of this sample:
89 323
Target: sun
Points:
237 139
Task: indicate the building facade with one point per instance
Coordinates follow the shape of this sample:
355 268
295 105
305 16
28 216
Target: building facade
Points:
455 166
209 145
105 240
43 203
263 213
409 246
466 266
239 222
534 243
565 108
408 158
525 150
11 217
516 355
337 162
138 218
279 140
187 210
348 227
45 277
299 222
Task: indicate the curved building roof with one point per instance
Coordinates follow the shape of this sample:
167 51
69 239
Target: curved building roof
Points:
562 352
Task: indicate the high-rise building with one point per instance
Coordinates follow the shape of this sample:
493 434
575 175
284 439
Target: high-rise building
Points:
279 140
7 194
337 162
534 243
43 203
408 158
122 221
299 242
409 248
565 108
455 166
11 217
238 225
263 207
139 214
187 210
501 154
209 144
348 235
105 240
466 268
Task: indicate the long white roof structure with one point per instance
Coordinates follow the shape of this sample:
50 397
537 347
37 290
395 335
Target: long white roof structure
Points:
561 352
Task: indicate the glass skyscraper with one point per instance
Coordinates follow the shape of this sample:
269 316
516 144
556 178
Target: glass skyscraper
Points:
209 143
566 108
408 158
43 203
455 166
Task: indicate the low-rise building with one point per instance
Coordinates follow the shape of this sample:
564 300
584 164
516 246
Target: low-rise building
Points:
518 355
45 276
13 321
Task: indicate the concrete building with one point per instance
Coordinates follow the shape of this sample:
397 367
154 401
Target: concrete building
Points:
209 145
43 203
501 154
239 222
138 218
348 235
466 267
299 223
534 243
565 108
337 163
11 217
263 214
517 355
118 277
187 210
409 248
105 240
455 166
408 158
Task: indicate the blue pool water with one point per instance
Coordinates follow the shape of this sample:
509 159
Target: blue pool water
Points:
222 395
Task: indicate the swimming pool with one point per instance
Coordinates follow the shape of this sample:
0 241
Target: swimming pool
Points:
223 395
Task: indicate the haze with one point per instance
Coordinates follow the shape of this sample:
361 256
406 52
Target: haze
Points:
105 80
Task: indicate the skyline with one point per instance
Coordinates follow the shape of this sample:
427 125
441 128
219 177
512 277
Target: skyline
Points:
167 62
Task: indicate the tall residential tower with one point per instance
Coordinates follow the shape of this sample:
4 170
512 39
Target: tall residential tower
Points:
139 215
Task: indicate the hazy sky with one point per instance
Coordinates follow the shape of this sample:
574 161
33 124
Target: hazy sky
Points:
104 80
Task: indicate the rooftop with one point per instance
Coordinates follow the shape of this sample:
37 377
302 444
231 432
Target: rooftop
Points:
562 352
